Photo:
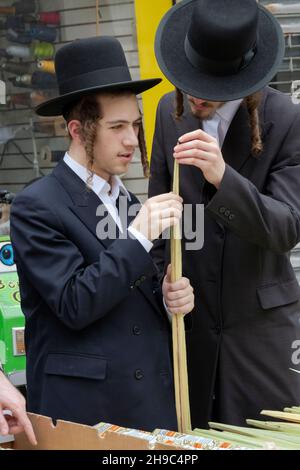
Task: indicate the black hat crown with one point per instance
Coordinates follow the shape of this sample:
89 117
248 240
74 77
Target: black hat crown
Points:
87 66
221 38
92 62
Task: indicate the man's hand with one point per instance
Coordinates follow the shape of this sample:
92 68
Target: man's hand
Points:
201 150
157 214
11 399
179 295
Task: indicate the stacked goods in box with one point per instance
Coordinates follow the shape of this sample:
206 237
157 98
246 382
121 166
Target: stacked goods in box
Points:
171 438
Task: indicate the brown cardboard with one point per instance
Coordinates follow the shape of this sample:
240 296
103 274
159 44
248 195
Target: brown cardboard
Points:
72 436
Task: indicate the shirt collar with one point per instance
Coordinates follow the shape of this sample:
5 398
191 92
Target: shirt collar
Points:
227 111
99 185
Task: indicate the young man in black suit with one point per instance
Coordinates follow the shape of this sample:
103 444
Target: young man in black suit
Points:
97 334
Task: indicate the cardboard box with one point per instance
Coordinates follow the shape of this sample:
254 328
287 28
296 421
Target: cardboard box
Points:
72 436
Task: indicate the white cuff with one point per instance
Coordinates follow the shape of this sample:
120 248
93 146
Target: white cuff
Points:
141 238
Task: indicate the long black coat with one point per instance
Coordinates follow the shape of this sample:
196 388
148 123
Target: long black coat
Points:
241 337
97 337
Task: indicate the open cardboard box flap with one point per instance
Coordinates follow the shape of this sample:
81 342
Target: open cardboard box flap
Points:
72 436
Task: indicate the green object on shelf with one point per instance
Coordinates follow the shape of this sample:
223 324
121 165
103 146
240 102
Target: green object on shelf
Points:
12 321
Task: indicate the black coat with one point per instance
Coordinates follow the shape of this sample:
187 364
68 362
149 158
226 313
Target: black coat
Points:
97 337
242 335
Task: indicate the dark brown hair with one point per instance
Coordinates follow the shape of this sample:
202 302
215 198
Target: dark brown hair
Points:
88 111
252 103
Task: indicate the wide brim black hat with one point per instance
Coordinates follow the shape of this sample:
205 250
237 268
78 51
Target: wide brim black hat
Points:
170 50
88 66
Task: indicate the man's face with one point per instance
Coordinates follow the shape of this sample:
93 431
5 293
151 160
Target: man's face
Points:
203 109
117 135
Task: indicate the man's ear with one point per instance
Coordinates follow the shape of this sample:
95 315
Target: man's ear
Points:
74 128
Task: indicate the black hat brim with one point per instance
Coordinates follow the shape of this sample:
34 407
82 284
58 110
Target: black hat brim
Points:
56 106
171 57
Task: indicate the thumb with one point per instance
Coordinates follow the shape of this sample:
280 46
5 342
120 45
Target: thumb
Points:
3 424
168 274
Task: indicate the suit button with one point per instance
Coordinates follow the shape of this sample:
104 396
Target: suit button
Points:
218 330
137 283
222 210
231 217
136 330
227 213
143 278
138 374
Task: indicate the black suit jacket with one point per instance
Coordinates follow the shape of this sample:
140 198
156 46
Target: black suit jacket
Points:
97 337
242 336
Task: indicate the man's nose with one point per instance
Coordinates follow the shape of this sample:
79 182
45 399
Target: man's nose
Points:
131 139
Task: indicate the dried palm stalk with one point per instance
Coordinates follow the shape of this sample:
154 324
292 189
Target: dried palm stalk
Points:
275 426
294 417
178 330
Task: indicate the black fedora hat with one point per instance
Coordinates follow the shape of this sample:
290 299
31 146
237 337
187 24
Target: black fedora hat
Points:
86 66
219 50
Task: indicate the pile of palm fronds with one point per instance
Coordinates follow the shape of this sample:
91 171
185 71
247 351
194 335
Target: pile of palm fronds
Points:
283 434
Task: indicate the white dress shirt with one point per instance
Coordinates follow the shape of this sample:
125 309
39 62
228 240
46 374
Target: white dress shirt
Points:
108 194
218 126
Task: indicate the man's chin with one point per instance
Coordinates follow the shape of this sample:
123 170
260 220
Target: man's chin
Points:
122 170
203 114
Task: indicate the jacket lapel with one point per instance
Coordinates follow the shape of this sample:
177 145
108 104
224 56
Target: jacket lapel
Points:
96 218
86 204
237 144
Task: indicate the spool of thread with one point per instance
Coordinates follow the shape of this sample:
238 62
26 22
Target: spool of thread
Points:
28 99
19 37
18 83
43 50
24 7
15 22
46 66
25 79
43 80
7 10
22 52
22 99
15 68
49 17
43 33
